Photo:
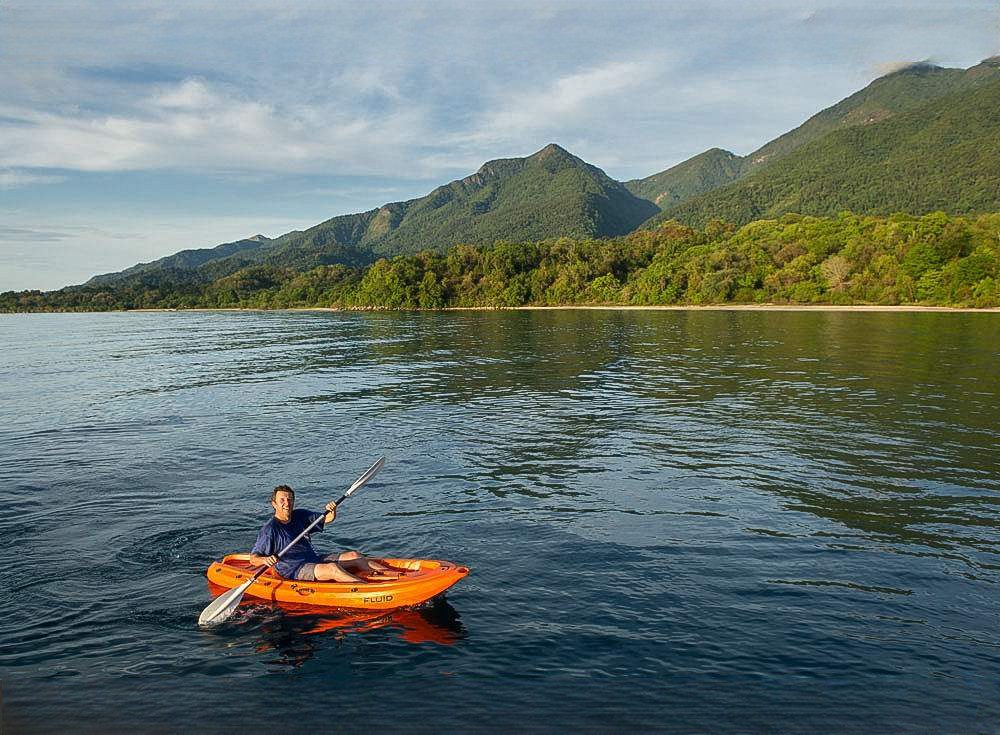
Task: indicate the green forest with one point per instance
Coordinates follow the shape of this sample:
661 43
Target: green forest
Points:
934 259
941 156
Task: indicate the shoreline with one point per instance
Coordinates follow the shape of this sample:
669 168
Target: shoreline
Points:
756 307
578 307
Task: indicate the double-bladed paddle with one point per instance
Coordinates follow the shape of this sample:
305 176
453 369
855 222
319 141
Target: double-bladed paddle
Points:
224 605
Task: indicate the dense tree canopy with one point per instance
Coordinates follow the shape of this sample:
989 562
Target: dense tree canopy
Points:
935 259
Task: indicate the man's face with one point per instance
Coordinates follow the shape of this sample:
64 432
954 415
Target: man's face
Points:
283 504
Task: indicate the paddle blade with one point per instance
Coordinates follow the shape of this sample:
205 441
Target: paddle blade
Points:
222 606
369 474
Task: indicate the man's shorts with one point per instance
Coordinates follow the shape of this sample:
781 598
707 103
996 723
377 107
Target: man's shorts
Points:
307 572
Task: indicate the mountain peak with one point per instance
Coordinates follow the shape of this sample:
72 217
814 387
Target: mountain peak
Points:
698 174
552 150
911 67
716 153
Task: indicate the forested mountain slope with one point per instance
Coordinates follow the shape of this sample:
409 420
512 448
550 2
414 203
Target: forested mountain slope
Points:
185 259
548 194
704 172
942 156
901 91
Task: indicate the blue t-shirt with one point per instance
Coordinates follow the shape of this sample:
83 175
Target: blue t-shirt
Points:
275 535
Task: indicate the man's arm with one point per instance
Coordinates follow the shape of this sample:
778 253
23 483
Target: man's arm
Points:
264 543
331 513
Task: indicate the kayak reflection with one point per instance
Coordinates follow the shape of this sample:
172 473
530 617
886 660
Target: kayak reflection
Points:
288 627
435 622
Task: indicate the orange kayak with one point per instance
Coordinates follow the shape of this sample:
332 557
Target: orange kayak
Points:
419 580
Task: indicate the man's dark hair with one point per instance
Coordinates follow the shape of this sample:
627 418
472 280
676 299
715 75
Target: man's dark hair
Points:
282 489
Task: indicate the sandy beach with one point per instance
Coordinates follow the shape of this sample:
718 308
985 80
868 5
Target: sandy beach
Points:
619 307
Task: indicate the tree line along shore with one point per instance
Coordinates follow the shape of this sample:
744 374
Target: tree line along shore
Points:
932 260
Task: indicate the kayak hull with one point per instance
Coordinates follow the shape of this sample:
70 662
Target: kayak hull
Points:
419 581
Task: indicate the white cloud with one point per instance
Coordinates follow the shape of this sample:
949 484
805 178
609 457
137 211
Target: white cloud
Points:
554 106
200 126
191 94
13 178
370 80
424 89
889 67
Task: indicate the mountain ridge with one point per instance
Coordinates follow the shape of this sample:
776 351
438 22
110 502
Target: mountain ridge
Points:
935 157
898 91
552 193
549 193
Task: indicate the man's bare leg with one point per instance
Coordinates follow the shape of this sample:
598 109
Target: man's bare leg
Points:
353 561
333 572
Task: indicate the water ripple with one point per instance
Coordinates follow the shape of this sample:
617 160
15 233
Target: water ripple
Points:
728 521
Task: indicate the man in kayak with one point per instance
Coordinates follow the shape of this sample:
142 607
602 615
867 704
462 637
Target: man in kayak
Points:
301 561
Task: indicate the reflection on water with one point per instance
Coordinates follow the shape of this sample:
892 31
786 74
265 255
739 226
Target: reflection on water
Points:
288 635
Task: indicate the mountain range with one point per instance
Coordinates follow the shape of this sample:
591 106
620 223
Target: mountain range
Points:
920 139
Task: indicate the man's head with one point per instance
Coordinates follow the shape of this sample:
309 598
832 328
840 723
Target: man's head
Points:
283 501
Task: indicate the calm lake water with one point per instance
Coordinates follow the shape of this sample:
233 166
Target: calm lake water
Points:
727 522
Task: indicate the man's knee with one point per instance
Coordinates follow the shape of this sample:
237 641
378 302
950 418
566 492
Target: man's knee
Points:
348 556
331 571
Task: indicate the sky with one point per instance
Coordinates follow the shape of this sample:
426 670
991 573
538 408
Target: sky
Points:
132 130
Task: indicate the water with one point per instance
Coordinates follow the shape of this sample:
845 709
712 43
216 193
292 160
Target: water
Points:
676 521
